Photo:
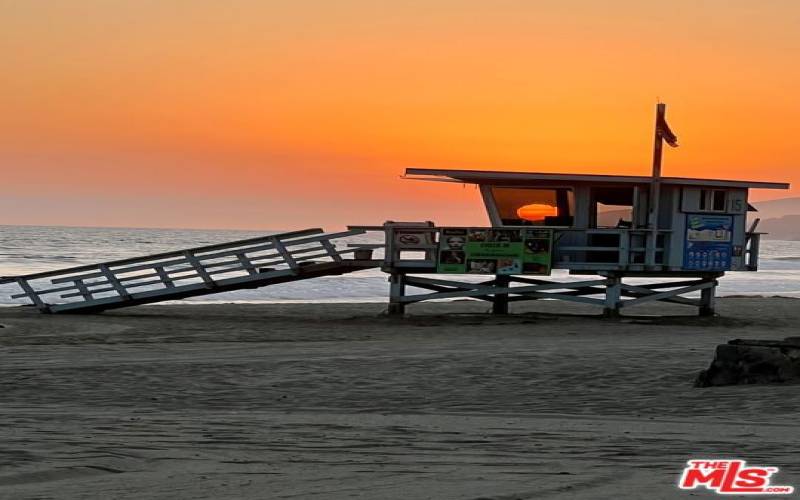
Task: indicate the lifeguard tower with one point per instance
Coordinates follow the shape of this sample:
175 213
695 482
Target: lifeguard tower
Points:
683 233
594 225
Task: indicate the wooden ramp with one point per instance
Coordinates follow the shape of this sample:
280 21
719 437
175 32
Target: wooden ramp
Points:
251 263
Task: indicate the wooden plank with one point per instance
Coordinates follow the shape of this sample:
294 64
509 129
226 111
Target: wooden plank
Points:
125 280
415 263
198 289
530 281
130 288
415 280
124 270
177 287
670 293
75 306
652 286
174 253
45 291
232 248
510 290
527 296
675 300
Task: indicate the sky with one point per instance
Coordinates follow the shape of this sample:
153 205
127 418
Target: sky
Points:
258 114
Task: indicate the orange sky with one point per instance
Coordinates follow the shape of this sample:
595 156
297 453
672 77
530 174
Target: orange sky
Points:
262 114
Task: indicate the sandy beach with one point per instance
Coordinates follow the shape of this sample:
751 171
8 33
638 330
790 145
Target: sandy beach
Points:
337 401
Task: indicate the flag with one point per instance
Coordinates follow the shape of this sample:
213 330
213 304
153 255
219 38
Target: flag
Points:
665 133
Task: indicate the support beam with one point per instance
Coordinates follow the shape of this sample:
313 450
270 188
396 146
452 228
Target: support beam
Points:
397 290
463 285
708 299
500 301
491 289
613 290
668 294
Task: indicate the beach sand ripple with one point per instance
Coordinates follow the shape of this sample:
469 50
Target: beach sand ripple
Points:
337 401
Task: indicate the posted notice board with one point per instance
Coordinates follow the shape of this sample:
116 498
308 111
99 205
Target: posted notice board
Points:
478 250
709 242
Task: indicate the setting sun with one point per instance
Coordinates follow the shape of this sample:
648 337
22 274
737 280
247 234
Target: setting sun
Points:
536 212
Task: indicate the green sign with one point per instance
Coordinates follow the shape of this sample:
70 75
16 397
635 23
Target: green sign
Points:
478 250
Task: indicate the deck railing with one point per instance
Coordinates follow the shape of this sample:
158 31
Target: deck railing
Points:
573 248
607 249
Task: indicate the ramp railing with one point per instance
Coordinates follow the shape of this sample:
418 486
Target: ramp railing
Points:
184 272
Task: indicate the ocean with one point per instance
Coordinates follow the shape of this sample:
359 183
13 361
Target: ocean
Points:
30 249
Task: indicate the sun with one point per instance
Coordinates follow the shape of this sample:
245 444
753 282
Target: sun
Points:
536 212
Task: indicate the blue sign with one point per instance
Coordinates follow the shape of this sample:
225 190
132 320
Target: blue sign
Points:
709 242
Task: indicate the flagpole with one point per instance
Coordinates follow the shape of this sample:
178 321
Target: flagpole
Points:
655 186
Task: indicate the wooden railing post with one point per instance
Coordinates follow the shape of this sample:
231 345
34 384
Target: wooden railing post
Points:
162 274
246 264
201 271
112 279
624 248
331 249
281 248
83 289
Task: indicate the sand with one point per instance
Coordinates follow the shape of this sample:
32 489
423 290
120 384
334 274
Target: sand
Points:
336 401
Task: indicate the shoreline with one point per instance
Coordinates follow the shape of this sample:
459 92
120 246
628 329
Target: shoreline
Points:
384 300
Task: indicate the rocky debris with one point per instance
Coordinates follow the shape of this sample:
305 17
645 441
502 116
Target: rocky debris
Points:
743 361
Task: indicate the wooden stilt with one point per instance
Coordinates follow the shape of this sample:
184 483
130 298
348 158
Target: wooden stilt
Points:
397 289
500 300
708 299
613 292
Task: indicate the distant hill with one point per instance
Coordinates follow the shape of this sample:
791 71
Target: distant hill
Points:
777 208
780 218
781 228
